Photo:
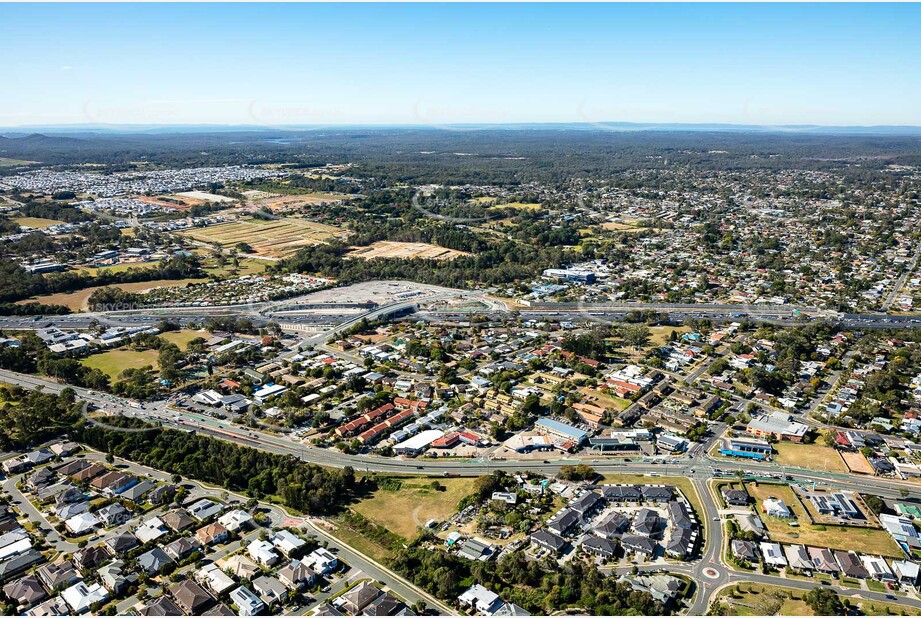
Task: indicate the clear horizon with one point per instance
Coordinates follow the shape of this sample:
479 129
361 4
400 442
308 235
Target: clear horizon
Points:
435 65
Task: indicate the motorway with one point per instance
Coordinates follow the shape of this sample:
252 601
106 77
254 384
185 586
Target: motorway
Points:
709 571
332 323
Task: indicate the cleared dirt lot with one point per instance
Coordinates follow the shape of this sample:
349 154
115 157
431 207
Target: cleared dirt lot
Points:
405 250
277 238
293 202
857 463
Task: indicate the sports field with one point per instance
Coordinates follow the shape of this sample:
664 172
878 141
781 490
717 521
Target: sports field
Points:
114 362
405 250
277 238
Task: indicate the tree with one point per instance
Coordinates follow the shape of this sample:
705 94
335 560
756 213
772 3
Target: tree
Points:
875 503
635 335
824 602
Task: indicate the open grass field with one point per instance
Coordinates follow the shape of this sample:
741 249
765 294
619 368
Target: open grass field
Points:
36 222
277 238
404 250
7 162
622 227
114 362
182 337
864 540
605 401
115 268
517 206
658 335
78 301
750 599
414 503
810 456
248 266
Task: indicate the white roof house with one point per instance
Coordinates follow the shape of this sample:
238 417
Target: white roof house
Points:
248 603
150 530
322 561
215 579
81 597
906 571
773 554
262 552
480 599
234 520
776 508
286 542
204 508
82 523
877 568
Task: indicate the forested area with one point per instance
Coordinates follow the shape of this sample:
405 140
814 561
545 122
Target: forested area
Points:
299 485
28 417
507 156
541 587
499 264
16 283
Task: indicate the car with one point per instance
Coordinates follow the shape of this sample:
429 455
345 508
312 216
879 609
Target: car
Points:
716 519
324 589
891 597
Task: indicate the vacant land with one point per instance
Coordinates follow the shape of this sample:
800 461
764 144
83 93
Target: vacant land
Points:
408 503
205 197
78 301
114 362
598 398
182 337
857 463
749 599
405 250
7 162
517 206
659 335
36 222
275 239
811 456
295 202
622 227
864 540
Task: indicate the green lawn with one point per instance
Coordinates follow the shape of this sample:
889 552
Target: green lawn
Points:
114 362
36 222
182 337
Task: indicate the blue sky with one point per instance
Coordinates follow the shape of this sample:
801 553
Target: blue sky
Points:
281 64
